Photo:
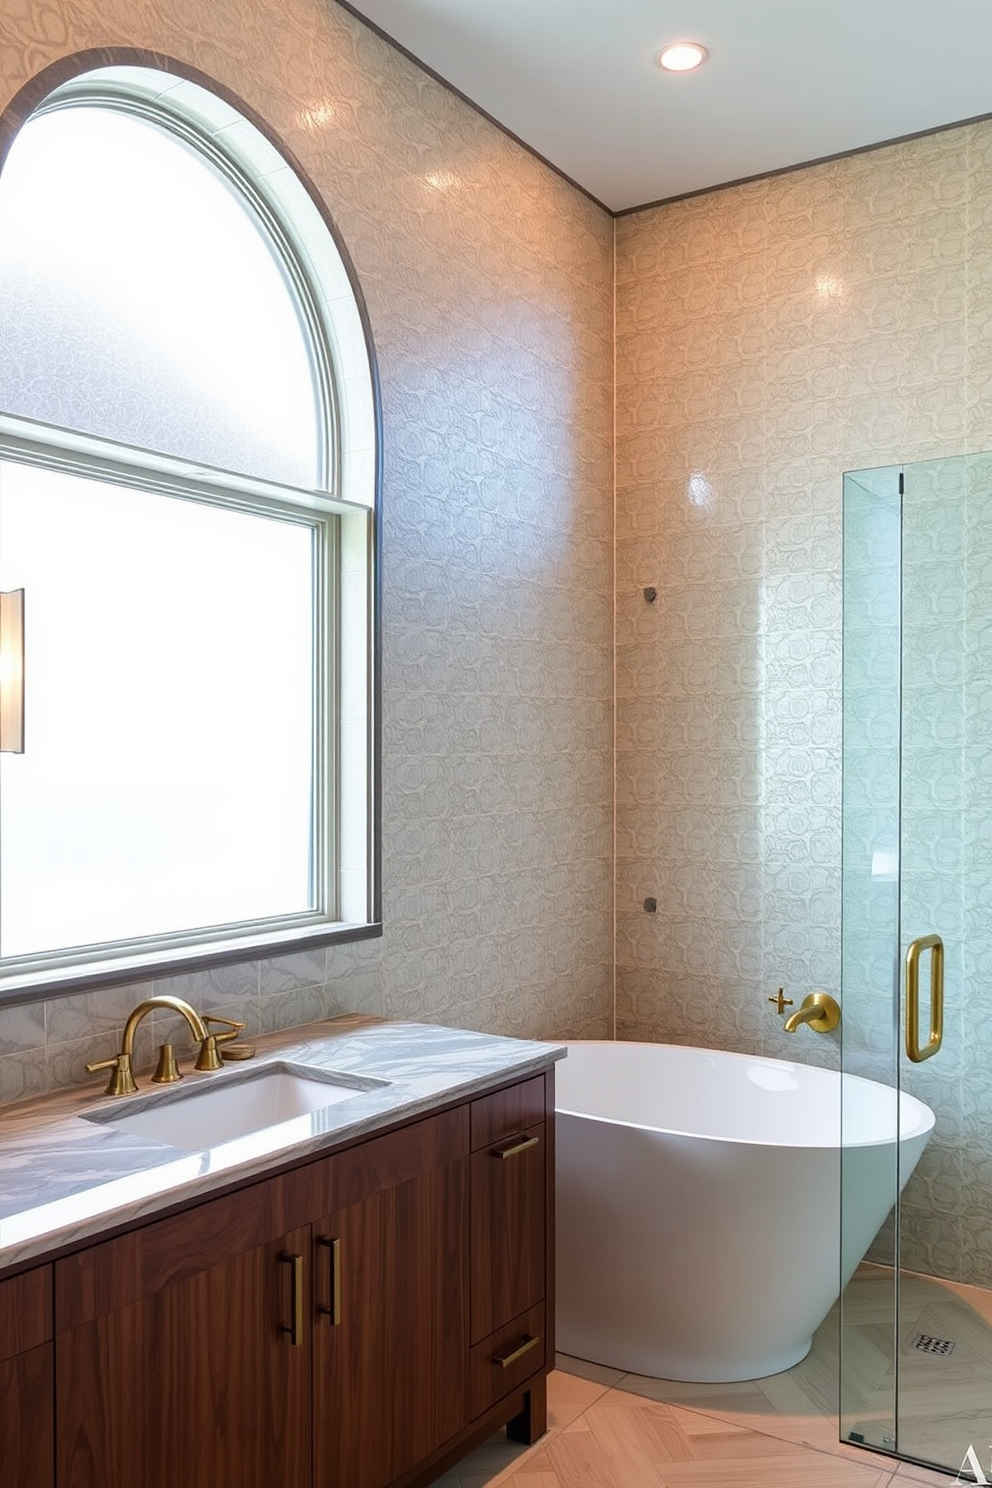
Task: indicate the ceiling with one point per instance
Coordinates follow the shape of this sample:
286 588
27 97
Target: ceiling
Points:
787 81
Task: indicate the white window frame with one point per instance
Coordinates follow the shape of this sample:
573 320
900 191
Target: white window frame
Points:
342 511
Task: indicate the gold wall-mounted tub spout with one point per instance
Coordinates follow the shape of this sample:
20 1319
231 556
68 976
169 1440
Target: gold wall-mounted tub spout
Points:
819 1010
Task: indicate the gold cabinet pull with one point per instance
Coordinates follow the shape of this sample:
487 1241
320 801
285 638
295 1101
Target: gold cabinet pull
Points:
295 1327
512 1355
332 1309
935 946
517 1145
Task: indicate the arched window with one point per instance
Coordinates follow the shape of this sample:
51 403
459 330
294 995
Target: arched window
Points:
188 466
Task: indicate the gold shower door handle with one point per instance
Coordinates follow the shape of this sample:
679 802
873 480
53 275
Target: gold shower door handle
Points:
935 946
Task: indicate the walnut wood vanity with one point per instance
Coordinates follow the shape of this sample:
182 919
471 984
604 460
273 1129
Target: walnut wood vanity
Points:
359 1319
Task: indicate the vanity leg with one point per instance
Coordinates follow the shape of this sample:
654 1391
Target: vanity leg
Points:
532 1422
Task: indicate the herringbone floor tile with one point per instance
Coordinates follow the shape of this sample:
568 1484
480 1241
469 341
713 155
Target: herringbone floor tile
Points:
613 1430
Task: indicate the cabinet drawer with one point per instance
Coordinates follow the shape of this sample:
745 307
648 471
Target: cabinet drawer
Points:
508 1185
25 1311
501 1362
507 1111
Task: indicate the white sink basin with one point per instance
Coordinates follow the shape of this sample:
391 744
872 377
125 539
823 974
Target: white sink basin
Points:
205 1115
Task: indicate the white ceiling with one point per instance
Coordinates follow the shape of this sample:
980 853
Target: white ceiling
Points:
787 80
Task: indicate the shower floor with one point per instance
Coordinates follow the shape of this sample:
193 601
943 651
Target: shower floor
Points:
628 1431
944 1365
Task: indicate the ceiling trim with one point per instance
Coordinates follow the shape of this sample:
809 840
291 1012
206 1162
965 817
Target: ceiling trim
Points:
661 201
787 170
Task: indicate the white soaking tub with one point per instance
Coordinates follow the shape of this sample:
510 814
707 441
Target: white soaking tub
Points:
698 1204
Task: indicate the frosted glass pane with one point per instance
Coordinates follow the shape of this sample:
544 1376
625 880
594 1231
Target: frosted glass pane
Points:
139 300
167 779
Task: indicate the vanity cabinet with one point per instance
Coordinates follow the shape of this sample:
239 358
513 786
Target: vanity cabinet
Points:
357 1321
173 1359
26 1380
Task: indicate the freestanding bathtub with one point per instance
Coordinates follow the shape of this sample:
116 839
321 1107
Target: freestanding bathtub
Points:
698 1203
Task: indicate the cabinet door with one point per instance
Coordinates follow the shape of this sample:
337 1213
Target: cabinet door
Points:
26 1424
508 1229
390 1330
204 1377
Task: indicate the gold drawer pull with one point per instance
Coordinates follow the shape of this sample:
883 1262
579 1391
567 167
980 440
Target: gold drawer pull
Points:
505 1360
516 1146
294 1328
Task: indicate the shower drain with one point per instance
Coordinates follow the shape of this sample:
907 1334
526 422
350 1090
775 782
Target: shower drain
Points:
927 1344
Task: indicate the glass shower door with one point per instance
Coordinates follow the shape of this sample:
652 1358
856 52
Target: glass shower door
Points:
870 938
916 1323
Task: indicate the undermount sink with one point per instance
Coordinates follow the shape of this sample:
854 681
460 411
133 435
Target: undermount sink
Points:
205 1115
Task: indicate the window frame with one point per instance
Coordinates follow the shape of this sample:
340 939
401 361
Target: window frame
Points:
342 522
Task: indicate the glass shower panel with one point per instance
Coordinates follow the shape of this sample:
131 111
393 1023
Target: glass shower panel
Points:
916 1329
870 932
944 1405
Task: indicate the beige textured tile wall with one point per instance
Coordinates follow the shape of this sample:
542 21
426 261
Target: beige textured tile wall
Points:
769 338
489 285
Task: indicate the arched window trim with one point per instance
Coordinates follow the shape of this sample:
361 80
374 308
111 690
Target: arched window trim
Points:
347 490
289 247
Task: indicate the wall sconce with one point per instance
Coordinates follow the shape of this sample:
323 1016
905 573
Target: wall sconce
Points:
12 671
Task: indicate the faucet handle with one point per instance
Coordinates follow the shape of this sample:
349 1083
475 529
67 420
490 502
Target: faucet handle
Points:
232 1047
230 1023
208 1057
121 1080
781 1001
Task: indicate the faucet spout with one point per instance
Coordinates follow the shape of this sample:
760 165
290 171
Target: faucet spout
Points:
802 1014
819 1010
174 1004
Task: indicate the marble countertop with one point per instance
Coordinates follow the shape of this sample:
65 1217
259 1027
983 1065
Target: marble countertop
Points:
65 1178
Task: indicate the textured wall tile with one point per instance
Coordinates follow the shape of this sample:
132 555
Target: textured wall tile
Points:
871 344
489 286
24 1074
22 1028
70 1018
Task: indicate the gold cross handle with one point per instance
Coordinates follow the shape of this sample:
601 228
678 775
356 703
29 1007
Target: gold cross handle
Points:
781 1001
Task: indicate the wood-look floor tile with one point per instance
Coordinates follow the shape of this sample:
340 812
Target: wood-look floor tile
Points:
610 1430
577 1457
908 1475
569 1396
638 1444
537 1462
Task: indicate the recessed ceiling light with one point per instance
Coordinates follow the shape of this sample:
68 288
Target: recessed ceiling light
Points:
682 56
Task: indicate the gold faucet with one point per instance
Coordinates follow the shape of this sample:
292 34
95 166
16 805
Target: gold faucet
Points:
819 1010
121 1073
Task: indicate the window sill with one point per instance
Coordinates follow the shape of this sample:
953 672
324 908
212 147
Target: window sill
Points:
32 986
